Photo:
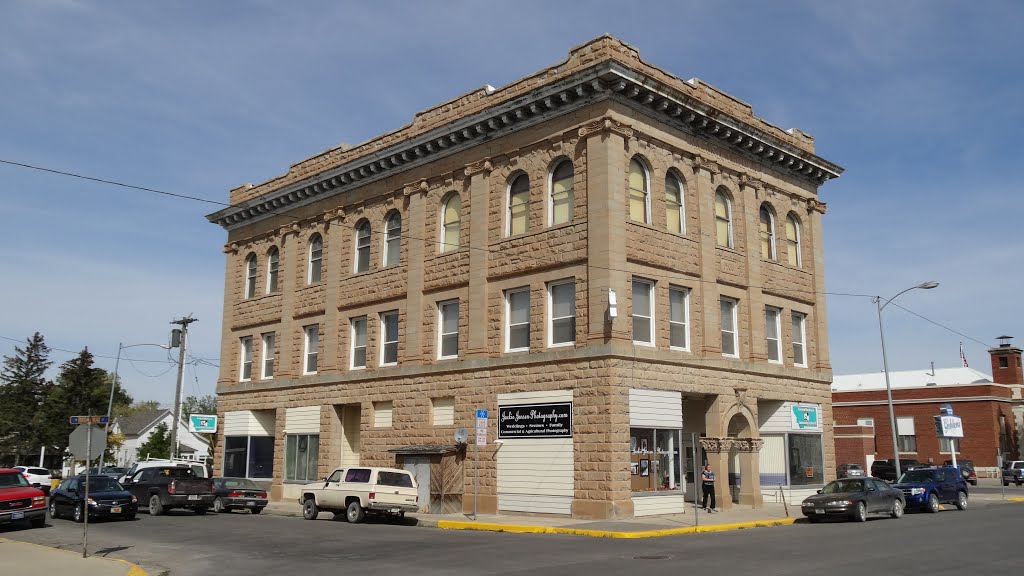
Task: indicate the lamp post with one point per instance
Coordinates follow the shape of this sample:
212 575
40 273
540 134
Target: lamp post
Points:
113 384
885 366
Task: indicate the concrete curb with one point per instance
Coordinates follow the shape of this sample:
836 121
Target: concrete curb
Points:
1015 499
525 529
133 569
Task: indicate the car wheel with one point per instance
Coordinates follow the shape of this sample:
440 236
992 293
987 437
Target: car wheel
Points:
354 513
200 511
815 519
860 513
309 509
78 515
961 500
155 507
1018 482
933 503
218 506
256 510
974 482
897 509
53 510
1005 483
39 522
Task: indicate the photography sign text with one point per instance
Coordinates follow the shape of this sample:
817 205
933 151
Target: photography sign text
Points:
535 421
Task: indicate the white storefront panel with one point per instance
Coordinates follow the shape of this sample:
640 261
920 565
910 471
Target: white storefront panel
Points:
304 420
655 420
536 474
249 423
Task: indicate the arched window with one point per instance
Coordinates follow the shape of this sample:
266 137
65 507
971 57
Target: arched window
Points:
639 199
767 231
363 247
393 239
273 261
562 201
316 259
675 211
250 275
451 225
793 241
518 202
723 219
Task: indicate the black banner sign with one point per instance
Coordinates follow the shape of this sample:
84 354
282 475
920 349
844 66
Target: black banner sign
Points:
535 421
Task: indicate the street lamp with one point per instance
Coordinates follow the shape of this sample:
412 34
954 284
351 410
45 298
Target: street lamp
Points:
885 366
113 384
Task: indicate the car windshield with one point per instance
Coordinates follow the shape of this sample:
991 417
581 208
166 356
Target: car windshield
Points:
10 480
102 484
244 483
913 476
841 486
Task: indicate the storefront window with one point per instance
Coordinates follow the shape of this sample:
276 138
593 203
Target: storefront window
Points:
249 456
805 460
301 455
655 460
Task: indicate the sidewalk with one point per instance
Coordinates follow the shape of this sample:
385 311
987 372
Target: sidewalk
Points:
738 518
39 559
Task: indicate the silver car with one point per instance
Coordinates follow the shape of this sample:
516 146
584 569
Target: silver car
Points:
850 471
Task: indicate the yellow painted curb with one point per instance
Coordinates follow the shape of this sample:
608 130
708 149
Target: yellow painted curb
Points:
1015 499
524 529
133 569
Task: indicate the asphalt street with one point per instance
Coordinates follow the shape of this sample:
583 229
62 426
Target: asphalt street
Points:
979 540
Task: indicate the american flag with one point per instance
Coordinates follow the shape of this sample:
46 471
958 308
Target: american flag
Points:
962 357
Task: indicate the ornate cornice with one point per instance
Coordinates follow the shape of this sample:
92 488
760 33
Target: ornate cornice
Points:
481 166
701 163
719 445
751 182
605 124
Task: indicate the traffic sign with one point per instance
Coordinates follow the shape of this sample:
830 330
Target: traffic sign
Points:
481 413
481 428
88 419
202 423
79 441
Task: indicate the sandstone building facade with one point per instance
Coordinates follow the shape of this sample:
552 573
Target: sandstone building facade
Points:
614 262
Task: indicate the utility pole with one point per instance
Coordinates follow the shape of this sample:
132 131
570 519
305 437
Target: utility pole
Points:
182 344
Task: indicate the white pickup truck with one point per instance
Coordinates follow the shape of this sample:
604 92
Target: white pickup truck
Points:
361 490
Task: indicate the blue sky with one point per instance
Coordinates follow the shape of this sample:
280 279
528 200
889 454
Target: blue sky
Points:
921 102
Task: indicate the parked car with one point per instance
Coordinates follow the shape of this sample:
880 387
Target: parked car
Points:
38 477
886 469
114 472
163 488
358 491
927 488
107 498
237 494
850 471
1013 471
200 469
19 500
966 470
854 498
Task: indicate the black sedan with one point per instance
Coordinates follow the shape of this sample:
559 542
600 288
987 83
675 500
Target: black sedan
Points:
854 498
238 494
107 498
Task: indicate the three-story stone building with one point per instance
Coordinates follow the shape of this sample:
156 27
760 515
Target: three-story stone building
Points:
613 261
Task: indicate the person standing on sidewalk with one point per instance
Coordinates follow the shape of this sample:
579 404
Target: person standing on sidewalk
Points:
707 484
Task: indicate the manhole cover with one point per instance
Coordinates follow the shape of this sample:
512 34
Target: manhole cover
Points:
652 557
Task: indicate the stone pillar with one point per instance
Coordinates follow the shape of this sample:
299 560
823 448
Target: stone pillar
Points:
717 449
750 466
707 174
479 190
233 286
753 192
286 363
331 359
416 196
277 484
818 324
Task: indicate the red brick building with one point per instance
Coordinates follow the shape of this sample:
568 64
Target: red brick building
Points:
991 410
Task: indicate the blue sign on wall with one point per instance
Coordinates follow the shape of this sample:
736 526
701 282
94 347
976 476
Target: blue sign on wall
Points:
805 417
481 413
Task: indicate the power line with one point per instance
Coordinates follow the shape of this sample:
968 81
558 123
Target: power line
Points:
75 353
944 327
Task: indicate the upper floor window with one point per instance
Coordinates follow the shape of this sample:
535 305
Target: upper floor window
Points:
639 198
316 259
730 337
678 317
562 313
448 335
643 312
451 225
517 319
273 261
268 356
358 358
389 345
393 239
793 241
675 212
723 219
799 339
250 276
362 263
518 201
562 201
311 348
766 228
245 371
773 334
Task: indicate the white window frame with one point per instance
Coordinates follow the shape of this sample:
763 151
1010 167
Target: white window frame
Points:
550 313
311 348
727 219
571 192
866 421
250 275
902 422
680 189
273 269
441 333
772 251
508 319
245 366
267 355
686 316
362 243
773 334
315 259
388 339
647 190
799 321
643 314
355 322
734 319
508 205
392 240
795 241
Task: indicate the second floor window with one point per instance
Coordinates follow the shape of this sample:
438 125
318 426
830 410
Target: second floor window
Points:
799 339
517 214
766 229
730 338
389 346
639 199
250 276
562 200
268 356
448 335
772 330
793 241
316 259
311 349
723 220
245 372
675 214
906 438
451 222
363 247
273 261
393 240
678 312
358 342
643 312
517 314
562 313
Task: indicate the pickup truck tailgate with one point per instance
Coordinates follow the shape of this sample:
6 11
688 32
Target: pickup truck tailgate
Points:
395 495
192 486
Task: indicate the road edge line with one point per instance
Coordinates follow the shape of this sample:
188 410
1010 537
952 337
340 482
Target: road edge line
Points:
529 529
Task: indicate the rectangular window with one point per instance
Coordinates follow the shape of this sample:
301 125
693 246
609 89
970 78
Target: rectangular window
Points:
947 444
245 372
730 342
643 312
312 348
655 460
301 456
382 414
562 313
772 330
806 462
448 335
799 339
517 319
443 412
678 317
866 422
249 456
906 440
389 330
359 342
268 356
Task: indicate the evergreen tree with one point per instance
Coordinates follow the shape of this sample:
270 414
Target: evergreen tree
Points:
80 390
23 392
158 445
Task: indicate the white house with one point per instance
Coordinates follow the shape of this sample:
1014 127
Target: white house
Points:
138 427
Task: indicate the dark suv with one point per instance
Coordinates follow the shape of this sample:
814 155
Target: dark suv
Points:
966 470
886 469
927 488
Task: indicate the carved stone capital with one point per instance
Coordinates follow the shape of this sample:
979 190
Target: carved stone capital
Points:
231 248
481 166
815 205
701 163
420 187
751 182
605 125
714 445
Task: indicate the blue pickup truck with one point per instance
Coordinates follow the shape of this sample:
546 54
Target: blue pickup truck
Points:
927 488
1013 472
